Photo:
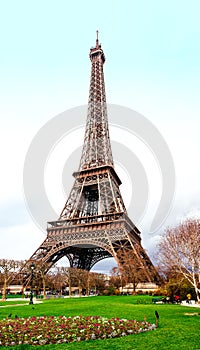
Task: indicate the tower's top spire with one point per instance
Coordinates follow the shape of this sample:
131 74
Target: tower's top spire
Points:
97 39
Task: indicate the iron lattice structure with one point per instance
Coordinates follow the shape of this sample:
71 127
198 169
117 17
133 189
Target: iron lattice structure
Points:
94 224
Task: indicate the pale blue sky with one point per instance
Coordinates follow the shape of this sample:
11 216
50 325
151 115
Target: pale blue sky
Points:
152 65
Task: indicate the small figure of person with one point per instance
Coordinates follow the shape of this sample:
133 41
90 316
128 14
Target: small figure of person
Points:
177 299
188 298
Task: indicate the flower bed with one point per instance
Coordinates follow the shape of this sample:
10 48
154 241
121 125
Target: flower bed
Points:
57 330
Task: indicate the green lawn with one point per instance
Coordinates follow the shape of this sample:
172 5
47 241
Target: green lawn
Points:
176 330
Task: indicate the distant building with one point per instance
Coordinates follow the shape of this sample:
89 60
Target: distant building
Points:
141 287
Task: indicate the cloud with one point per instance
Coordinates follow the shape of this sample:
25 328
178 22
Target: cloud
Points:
20 241
13 213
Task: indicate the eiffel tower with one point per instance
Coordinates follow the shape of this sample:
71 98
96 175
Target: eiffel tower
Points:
94 223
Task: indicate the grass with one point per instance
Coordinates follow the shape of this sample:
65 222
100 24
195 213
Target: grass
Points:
176 330
12 302
12 296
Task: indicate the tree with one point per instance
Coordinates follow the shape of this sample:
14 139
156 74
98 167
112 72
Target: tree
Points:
131 269
115 278
97 282
59 278
82 277
179 250
7 268
69 277
40 272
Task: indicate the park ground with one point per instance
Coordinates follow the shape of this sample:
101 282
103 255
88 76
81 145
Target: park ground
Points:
178 325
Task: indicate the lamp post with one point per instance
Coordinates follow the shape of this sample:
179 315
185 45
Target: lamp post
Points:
32 266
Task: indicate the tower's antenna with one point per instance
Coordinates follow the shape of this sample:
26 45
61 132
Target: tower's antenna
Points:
97 38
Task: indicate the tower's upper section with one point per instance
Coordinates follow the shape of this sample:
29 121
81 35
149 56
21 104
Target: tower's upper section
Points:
96 52
96 149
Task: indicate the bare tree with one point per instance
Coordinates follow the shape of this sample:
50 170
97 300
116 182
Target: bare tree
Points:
97 282
81 277
115 278
40 272
69 276
1 281
179 250
7 267
59 278
88 278
130 268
